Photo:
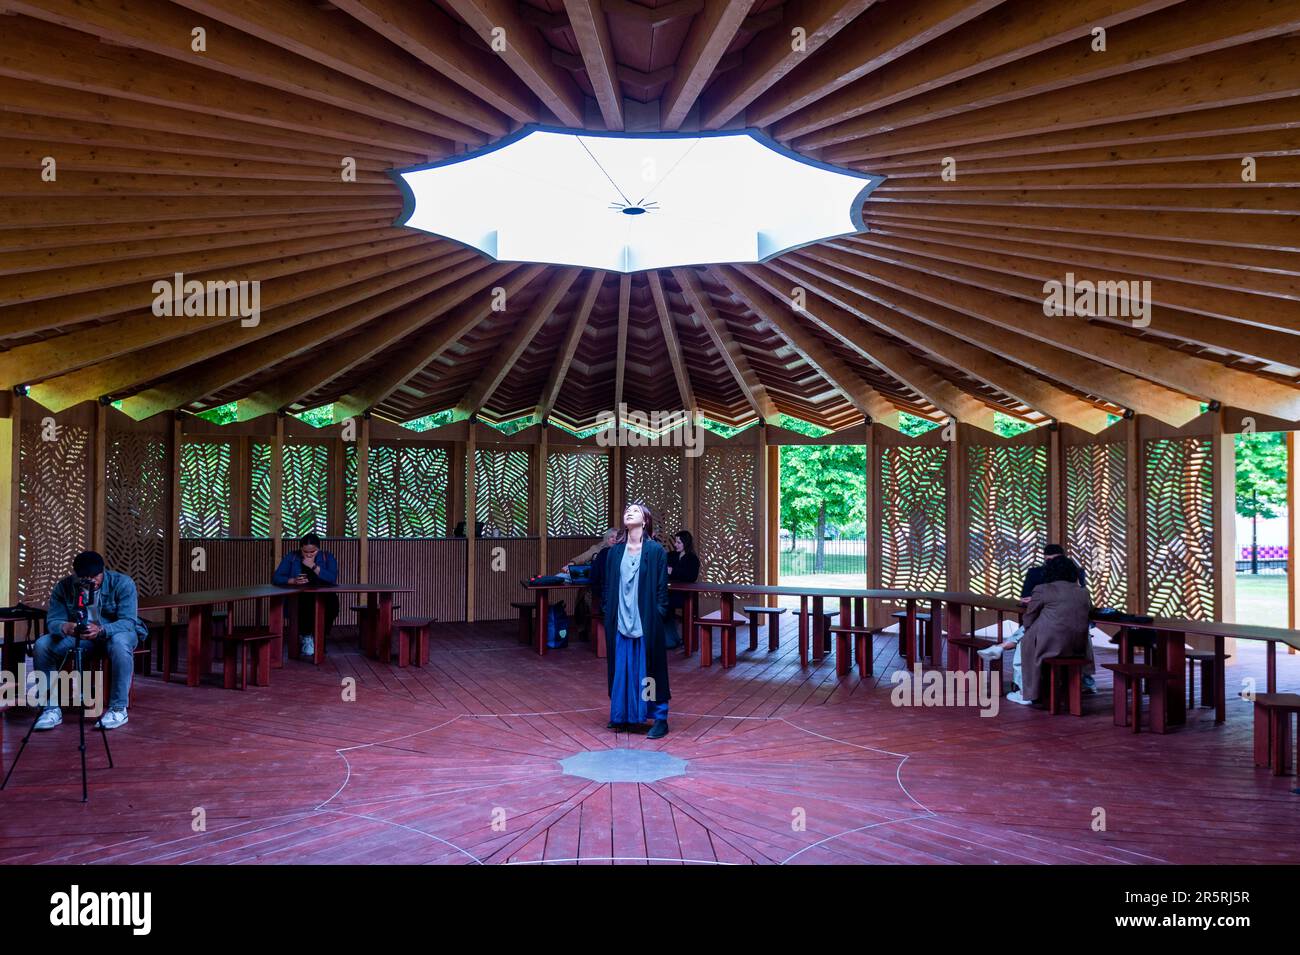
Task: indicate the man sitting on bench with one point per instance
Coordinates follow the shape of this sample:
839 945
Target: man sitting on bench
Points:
1038 575
110 626
309 566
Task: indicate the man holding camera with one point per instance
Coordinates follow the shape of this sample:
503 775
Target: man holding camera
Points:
98 608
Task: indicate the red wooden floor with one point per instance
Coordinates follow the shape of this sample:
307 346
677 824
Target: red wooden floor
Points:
458 762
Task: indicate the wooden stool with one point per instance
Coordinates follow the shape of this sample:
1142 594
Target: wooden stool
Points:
1211 674
1065 673
924 643
413 640
242 648
598 645
963 654
704 636
756 616
827 617
1273 712
368 625
525 608
1129 677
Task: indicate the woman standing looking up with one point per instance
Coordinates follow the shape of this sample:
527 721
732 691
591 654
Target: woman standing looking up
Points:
636 602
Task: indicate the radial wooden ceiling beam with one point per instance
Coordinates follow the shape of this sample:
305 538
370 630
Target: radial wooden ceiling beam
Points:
591 29
564 358
711 32
122 373
87 65
526 52
418 352
1254 72
620 350
668 327
1008 36
1154 362
403 310
895 361
884 33
653 16
731 353
837 374
164 30
992 369
773 53
521 336
429 35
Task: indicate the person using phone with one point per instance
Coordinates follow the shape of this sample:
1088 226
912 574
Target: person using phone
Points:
310 566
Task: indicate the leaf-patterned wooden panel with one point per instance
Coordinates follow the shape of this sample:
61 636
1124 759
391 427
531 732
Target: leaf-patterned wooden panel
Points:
726 539
577 494
135 499
408 491
914 509
657 478
1179 528
1007 494
305 490
501 488
1096 519
53 520
205 505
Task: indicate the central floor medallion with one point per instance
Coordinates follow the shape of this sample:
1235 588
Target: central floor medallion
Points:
623 765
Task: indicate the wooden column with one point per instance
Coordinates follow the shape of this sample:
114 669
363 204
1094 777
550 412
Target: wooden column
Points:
241 487
336 513
875 525
1292 531
363 500
690 506
773 455
1135 517
275 513
761 489
99 480
11 436
1055 487
616 486
456 511
958 529
471 524
174 503
1223 449
543 532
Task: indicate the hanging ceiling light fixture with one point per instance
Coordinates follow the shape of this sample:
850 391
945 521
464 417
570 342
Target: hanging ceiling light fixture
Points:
625 203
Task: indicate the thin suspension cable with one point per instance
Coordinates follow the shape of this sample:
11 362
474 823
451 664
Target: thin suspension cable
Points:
669 172
602 169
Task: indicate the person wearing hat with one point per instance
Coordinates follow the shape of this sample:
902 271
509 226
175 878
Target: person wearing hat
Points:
112 623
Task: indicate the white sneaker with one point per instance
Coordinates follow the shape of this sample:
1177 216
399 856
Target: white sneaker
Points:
112 720
308 646
991 653
1015 697
50 717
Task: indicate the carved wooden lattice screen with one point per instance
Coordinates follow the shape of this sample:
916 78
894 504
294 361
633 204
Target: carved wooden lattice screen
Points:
1179 527
305 496
54 496
577 493
206 493
1096 516
1007 492
657 478
408 490
913 512
135 498
501 487
726 538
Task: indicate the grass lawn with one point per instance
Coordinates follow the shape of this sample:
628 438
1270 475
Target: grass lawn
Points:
1261 599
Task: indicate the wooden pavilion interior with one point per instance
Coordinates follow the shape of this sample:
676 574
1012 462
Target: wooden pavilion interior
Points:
384 398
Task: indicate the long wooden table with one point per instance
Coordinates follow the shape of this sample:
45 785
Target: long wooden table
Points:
375 628
201 603
198 629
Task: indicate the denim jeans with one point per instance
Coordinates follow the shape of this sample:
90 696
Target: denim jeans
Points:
52 649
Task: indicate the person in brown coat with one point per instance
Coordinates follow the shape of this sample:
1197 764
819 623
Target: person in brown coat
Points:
1056 625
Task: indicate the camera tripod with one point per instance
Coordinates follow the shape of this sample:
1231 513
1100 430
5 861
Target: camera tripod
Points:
78 657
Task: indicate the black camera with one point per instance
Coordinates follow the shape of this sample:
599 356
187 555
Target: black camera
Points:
86 597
